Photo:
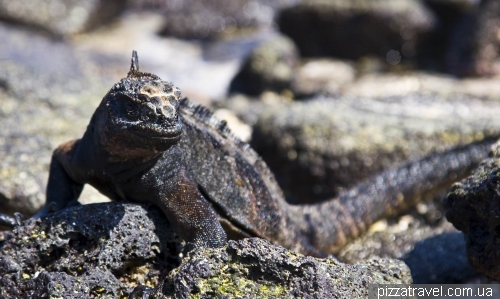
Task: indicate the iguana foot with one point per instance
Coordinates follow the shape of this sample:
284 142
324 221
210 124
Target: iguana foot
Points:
52 207
49 208
11 221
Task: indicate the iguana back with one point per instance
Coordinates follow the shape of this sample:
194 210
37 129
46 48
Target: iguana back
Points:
243 190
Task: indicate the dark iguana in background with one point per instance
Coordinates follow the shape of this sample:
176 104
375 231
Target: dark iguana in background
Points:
145 144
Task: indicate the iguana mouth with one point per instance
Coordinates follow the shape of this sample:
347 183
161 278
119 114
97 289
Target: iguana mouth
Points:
157 131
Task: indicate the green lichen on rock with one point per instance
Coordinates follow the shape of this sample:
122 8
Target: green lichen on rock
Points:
254 267
230 284
84 252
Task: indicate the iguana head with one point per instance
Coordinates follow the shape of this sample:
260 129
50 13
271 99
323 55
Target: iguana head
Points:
140 113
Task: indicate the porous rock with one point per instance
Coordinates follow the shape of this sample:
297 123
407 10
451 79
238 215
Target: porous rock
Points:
100 250
104 250
473 208
61 17
253 268
353 29
318 146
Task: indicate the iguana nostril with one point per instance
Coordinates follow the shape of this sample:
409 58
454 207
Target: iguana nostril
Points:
158 110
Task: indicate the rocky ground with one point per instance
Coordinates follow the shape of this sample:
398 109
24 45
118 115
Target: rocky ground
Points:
82 253
472 206
328 92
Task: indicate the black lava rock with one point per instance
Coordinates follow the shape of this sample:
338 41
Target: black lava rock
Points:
473 206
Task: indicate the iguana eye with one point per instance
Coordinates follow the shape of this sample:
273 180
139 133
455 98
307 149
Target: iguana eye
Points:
131 110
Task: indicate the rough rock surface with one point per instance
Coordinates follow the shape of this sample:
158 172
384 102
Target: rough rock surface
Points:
99 250
61 17
104 250
253 267
271 66
352 29
309 145
472 207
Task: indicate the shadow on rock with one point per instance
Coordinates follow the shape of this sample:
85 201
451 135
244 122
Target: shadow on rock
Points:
92 250
440 259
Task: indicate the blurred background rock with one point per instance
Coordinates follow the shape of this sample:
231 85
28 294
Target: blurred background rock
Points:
328 92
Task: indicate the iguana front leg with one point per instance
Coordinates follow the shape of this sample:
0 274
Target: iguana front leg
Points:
62 190
191 215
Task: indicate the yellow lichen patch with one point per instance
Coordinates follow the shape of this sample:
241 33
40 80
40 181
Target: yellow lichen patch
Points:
140 276
293 254
234 282
238 287
239 182
99 290
38 234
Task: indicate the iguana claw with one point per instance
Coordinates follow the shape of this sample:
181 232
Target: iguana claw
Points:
11 221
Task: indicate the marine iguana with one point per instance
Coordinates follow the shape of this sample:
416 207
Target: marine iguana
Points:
146 144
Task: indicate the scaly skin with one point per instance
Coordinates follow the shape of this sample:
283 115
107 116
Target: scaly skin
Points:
144 144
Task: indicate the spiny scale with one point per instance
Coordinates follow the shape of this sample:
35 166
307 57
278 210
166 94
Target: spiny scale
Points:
134 66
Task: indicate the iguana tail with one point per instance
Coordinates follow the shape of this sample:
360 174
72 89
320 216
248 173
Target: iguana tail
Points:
328 226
